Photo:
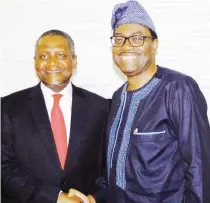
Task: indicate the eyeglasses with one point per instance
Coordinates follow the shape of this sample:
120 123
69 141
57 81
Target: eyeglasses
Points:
135 40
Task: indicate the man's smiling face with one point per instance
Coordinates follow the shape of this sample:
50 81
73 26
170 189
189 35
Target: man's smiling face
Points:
134 60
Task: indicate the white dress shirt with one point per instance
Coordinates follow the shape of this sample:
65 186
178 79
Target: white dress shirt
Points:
65 104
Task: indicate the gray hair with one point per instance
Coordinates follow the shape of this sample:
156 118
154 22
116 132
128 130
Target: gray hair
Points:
59 33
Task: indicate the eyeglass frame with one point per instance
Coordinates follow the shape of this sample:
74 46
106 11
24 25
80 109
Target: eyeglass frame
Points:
128 38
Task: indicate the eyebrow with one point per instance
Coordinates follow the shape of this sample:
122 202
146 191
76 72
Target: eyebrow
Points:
48 52
46 49
134 33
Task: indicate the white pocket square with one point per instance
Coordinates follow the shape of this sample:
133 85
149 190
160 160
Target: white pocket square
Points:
135 132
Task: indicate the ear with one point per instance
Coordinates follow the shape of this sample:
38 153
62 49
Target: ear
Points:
35 62
74 61
154 46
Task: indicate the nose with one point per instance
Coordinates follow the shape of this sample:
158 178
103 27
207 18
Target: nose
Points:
52 62
127 45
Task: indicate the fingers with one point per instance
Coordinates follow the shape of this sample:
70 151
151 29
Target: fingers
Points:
63 198
91 199
73 192
75 199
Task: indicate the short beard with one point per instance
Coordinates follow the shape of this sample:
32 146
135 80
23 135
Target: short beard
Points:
139 71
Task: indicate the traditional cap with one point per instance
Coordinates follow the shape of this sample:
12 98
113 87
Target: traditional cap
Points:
131 12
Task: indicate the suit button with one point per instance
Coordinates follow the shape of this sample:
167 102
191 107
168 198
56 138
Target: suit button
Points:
64 182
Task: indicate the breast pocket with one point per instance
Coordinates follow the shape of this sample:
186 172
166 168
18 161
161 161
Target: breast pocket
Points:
149 136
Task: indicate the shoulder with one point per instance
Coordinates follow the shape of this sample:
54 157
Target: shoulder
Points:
18 98
94 99
181 88
175 79
118 92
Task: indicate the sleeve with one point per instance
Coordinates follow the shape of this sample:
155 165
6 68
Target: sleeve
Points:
189 114
17 184
100 189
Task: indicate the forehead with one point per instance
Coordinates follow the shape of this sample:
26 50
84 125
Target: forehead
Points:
130 29
52 42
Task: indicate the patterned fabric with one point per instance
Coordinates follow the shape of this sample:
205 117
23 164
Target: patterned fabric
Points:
137 97
131 12
114 130
161 152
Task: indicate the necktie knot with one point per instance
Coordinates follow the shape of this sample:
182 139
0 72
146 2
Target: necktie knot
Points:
57 98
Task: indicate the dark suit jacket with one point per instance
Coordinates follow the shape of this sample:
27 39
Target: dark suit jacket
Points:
31 170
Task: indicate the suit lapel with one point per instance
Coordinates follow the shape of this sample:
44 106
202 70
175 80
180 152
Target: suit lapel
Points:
41 120
80 108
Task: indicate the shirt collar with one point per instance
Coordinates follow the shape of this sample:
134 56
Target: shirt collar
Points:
66 92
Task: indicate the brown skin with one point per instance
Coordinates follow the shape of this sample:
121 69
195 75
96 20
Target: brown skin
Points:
54 62
137 63
85 199
63 198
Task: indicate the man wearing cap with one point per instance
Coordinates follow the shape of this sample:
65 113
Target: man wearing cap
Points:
159 133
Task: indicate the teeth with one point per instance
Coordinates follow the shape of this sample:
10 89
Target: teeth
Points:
53 72
127 57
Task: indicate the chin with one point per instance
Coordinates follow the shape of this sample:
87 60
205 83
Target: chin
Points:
133 72
53 83
128 70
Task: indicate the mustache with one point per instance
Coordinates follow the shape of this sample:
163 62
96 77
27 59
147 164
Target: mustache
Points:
127 53
50 70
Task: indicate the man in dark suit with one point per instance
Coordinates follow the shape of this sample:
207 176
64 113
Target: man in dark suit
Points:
53 133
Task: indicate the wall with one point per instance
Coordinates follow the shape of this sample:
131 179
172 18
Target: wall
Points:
183 27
